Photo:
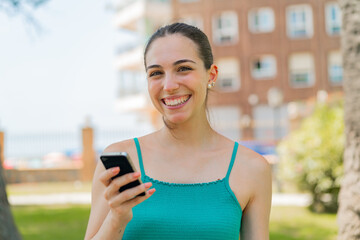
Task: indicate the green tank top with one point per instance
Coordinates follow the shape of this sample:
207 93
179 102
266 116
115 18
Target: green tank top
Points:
186 211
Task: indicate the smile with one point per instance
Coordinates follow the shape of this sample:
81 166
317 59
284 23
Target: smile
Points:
176 101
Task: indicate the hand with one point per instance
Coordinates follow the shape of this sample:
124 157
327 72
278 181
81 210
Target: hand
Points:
121 203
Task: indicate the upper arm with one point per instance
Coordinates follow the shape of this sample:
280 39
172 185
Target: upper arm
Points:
99 205
255 220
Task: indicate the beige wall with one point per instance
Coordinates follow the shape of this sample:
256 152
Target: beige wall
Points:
41 175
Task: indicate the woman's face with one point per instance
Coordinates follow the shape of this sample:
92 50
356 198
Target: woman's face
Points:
177 78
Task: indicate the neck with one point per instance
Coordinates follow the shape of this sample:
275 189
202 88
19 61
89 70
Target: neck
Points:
194 133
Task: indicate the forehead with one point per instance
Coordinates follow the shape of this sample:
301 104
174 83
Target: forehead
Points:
171 48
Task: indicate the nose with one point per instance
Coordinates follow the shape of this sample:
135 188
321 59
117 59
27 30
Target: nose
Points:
170 83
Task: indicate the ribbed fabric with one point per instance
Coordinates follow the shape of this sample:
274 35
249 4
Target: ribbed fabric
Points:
186 211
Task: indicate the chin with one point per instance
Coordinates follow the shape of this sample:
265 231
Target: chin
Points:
176 119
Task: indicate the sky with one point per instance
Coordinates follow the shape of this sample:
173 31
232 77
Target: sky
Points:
53 79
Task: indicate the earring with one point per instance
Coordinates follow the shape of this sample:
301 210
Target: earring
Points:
210 85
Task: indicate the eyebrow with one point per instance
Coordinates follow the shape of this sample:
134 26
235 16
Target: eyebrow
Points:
183 61
174 64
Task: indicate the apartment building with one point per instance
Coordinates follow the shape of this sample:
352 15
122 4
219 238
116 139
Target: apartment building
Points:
271 54
139 18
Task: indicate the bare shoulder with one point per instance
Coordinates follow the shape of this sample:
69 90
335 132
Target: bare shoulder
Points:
251 162
127 146
252 186
250 176
122 146
247 161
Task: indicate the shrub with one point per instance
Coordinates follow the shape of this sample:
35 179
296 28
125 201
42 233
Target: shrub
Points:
312 156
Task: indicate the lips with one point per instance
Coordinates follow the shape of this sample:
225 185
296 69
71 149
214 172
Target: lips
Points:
175 101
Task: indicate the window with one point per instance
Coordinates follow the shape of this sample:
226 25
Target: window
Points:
333 18
270 123
264 67
299 21
229 74
301 69
225 120
225 28
261 20
194 21
131 82
335 68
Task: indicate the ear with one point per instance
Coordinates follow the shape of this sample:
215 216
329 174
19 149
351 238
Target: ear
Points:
213 74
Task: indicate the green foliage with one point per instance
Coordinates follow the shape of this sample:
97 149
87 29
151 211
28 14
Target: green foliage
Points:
295 223
19 5
312 156
69 222
52 222
23 8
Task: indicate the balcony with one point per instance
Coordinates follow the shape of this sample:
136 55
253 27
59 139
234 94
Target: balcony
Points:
129 103
128 14
136 15
132 59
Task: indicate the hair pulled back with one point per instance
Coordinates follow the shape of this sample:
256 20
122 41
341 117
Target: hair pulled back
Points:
191 32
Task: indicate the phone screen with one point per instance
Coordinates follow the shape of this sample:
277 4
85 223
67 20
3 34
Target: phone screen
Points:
122 160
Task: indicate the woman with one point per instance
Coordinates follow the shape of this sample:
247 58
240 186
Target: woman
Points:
207 186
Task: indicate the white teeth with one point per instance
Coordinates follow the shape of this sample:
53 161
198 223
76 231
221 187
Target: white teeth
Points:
175 102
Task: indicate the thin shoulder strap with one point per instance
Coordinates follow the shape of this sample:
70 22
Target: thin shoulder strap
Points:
236 145
140 157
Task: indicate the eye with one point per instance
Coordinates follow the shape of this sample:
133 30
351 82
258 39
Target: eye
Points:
155 73
184 68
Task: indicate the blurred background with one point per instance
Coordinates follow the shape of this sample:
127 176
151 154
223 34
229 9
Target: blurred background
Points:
72 82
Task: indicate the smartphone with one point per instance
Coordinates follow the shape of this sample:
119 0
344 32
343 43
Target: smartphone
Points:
122 160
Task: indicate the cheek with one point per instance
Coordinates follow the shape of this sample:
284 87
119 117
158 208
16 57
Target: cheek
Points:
194 80
153 89
201 83
151 86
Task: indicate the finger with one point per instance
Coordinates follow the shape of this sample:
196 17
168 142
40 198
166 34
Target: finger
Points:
106 176
133 202
135 191
118 182
130 194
